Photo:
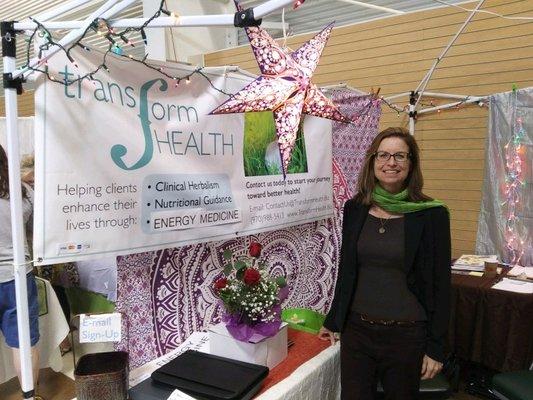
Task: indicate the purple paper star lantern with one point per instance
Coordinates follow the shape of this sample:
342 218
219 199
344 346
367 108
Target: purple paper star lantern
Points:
284 87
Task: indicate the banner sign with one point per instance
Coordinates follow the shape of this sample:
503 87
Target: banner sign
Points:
131 161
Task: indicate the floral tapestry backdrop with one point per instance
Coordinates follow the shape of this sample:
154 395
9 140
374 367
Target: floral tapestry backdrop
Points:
168 294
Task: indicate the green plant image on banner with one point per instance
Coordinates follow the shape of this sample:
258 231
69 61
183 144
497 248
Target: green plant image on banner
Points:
261 153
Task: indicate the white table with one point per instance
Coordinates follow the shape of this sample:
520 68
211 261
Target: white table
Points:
53 328
316 379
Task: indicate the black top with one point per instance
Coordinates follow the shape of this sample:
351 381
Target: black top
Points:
382 291
427 260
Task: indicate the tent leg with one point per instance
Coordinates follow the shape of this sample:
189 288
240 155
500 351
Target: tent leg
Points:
424 82
15 199
412 112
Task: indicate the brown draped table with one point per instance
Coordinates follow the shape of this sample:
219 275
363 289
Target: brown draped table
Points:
491 327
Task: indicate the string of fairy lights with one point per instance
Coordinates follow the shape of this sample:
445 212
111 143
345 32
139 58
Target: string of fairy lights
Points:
514 150
431 104
117 41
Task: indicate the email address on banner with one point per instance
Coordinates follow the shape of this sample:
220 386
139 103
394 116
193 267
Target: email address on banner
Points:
298 213
192 218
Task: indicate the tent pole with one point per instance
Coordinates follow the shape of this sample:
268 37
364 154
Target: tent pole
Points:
11 87
262 10
412 112
448 96
159 22
63 8
107 10
451 105
424 82
165 22
70 5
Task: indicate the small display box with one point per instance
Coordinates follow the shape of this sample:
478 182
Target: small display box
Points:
100 376
268 351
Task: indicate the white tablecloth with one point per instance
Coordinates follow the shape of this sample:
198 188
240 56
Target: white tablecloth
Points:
53 328
317 379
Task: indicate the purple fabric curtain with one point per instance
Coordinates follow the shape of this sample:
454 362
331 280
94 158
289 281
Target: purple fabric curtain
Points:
350 141
168 294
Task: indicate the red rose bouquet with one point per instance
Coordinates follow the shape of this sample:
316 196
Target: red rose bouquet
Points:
251 297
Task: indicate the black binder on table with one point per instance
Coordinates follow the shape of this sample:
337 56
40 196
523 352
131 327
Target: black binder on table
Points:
209 377
150 390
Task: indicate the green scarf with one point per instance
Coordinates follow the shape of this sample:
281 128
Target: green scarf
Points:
398 203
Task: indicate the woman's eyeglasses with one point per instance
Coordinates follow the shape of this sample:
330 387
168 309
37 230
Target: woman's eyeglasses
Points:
383 156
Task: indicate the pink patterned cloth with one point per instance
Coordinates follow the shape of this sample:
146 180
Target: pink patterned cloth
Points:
168 294
350 141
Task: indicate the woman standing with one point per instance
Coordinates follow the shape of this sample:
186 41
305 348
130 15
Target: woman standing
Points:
8 305
392 295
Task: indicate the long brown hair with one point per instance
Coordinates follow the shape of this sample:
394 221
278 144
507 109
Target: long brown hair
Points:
415 181
4 176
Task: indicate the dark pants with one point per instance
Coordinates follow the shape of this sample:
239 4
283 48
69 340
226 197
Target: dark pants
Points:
390 353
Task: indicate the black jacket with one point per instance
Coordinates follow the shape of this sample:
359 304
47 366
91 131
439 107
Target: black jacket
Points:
427 257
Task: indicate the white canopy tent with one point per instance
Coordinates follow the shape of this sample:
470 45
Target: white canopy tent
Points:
13 79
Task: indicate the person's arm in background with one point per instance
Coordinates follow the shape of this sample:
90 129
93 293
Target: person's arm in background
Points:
438 329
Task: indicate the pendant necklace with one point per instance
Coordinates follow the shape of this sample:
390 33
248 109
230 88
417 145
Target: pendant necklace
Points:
383 222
